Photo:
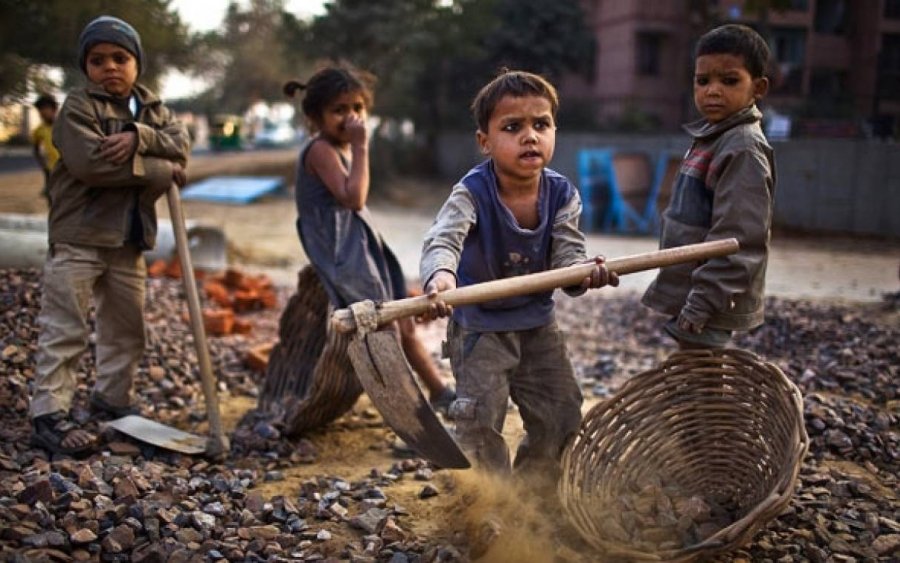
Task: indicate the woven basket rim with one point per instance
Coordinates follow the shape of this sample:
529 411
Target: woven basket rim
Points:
731 536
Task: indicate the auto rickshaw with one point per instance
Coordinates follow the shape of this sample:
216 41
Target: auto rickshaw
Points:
225 132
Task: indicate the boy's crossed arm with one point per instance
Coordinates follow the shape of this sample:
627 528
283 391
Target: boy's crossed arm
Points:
97 159
171 142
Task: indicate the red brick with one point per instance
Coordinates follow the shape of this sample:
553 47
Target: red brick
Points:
242 326
157 269
173 270
217 293
246 301
218 322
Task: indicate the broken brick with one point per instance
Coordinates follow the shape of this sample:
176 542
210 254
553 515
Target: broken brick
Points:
218 322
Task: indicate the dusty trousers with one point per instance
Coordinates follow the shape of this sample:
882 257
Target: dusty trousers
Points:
529 366
72 275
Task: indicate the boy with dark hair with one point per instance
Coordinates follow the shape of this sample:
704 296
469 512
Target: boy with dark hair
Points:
724 189
121 150
510 216
42 137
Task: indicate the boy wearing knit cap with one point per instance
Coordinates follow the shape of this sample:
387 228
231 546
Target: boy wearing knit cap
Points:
121 149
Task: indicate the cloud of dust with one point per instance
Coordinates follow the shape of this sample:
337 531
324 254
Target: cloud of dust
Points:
506 519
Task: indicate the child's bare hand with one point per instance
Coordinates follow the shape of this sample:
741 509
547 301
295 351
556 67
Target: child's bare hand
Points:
119 147
356 130
179 176
600 276
441 281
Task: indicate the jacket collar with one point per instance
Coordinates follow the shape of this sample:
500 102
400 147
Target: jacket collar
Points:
144 96
702 129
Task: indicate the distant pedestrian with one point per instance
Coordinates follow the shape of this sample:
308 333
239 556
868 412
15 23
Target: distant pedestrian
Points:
336 229
121 149
42 138
511 215
724 189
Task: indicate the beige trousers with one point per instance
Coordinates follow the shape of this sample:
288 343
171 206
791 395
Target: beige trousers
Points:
115 278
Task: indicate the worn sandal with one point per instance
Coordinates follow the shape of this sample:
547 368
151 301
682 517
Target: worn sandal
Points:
49 431
99 406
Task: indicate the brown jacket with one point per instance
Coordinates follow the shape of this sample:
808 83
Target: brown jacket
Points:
95 202
725 188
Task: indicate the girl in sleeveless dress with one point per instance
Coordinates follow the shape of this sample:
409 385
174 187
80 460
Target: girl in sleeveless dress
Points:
351 258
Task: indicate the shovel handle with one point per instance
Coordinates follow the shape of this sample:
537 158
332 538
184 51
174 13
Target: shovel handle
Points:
217 443
390 311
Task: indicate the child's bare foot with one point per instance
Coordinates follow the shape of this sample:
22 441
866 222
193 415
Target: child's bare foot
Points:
58 434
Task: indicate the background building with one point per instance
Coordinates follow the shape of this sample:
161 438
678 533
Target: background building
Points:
836 67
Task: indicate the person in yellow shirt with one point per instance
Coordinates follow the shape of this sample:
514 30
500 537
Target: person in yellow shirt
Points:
42 137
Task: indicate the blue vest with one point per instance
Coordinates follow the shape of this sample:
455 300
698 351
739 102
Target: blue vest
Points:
497 247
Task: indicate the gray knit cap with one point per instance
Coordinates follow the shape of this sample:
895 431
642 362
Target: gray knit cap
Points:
107 29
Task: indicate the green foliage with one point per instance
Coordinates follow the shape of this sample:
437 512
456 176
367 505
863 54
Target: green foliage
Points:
46 33
257 49
432 56
547 37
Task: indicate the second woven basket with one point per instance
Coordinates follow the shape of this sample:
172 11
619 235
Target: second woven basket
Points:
688 459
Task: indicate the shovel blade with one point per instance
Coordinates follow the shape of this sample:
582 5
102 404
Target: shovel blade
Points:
386 376
159 435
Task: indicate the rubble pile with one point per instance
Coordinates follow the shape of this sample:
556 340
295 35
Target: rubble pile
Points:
133 502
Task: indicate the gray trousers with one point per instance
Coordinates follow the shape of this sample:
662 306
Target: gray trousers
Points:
72 274
533 368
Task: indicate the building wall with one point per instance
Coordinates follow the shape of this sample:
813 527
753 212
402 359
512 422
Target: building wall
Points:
829 185
619 87
836 67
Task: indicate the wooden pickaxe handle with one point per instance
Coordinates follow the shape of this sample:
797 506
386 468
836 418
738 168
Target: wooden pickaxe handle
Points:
217 444
343 320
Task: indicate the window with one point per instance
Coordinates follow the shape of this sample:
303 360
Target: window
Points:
892 9
831 16
889 67
799 5
649 49
789 45
789 49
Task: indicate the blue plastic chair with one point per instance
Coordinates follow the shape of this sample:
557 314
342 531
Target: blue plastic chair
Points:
604 206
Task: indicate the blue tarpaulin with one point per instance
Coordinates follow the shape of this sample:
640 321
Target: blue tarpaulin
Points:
232 189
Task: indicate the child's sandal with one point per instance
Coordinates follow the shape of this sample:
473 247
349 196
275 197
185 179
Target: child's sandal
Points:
50 431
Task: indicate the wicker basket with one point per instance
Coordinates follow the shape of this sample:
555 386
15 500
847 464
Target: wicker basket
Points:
720 425
309 380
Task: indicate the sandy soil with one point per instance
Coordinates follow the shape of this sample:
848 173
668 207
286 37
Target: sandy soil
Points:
263 234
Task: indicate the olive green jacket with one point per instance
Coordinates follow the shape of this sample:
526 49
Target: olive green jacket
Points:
95 202
725 188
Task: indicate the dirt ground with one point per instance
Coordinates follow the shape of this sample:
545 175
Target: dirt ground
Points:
262 237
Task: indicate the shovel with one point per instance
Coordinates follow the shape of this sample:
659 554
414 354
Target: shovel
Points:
152 432
387 377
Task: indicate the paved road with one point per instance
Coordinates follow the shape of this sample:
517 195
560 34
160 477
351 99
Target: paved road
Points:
263 235
816 268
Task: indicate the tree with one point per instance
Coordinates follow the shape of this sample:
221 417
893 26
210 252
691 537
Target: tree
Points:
46 33
251 57
431 56
547 37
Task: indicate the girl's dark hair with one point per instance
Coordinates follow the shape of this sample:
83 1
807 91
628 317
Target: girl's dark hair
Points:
736 39
329 83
